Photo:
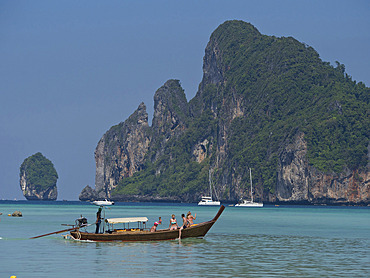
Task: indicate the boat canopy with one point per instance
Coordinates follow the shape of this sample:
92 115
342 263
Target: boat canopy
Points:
126 220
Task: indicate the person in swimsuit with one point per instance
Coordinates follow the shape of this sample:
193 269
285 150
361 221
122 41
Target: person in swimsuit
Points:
154 228
191 218
173 223
185 224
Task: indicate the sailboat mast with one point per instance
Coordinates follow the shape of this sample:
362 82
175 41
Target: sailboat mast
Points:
210 187
250 175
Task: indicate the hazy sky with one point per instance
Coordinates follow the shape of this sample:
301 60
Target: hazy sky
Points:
69 70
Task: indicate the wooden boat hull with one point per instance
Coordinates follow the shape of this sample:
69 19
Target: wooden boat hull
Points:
197 230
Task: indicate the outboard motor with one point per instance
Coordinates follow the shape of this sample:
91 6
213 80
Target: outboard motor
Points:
81 222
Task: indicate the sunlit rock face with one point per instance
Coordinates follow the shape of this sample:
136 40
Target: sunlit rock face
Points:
121 151
298 182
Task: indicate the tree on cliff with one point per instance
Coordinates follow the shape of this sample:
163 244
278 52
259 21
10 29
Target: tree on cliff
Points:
38 178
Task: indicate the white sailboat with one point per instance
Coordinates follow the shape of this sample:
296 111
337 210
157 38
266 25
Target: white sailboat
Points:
250 203
207 200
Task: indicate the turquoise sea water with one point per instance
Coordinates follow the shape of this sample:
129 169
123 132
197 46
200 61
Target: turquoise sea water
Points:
285 241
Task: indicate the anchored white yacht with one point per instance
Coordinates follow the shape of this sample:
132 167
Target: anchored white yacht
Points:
207 200
250 203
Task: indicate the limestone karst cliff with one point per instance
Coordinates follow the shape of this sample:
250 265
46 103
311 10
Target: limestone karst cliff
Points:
299 182
38 178
121 151
266 103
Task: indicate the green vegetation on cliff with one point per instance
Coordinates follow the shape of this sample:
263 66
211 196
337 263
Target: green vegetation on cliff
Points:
283 88
175 173
39 171
286 87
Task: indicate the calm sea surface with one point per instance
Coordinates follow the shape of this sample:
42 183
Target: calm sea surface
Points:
285 241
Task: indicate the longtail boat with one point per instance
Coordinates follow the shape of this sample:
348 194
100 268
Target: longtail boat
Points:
142 233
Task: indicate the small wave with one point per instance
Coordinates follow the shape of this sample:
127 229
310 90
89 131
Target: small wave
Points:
84 240
67 237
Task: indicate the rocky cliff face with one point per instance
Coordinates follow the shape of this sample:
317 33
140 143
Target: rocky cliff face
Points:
33 193
121 151
171 113
293 176
88 194
223 128
299 182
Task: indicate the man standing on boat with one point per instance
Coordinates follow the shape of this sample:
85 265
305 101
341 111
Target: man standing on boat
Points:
98 220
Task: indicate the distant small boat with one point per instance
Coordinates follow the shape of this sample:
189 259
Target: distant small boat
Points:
207 200
103 203
250 203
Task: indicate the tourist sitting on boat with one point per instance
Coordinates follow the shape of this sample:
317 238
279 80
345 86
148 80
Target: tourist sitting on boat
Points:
191 218
185 224
173 223
154 228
